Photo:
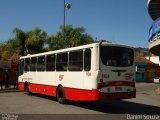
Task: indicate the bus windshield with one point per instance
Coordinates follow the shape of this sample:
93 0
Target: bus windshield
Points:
116 56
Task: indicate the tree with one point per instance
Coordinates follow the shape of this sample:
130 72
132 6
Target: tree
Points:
73 37
35 40
3 46
55 42
32 41
5 55
21 38
12 45
79 37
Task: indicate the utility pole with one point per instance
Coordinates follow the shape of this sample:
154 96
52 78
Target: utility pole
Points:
66 6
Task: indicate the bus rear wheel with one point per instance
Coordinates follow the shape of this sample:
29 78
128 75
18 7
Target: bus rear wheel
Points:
61 95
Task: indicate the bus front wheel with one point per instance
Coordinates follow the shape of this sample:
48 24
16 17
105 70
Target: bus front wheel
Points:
61 95
26 88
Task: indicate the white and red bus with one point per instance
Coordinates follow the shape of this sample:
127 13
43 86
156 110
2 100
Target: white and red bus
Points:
84 73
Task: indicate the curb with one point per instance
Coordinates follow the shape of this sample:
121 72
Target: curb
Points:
9 90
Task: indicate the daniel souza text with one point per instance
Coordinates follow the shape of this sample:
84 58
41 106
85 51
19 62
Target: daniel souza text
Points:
142 117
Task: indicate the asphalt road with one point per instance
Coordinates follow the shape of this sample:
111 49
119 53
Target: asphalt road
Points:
20 106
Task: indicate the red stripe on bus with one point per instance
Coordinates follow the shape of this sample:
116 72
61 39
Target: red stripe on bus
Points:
42 89
21 86
76 94
82 95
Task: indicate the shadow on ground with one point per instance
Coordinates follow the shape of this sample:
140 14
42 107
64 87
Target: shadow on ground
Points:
113 107
121 107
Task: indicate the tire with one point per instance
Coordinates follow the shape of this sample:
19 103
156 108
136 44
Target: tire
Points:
27 89
61 95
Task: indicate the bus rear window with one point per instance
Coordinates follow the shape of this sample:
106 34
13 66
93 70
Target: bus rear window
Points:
116 56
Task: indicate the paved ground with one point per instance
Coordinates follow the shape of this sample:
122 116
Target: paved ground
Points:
18 104
147 94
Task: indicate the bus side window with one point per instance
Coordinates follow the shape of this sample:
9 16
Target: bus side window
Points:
27 64
76 61
87 60
50 63
61 62
33 64
21 67
41 63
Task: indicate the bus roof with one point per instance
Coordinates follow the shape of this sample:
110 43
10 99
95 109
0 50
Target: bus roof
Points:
76 48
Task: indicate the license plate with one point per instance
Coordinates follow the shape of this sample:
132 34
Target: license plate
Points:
118 88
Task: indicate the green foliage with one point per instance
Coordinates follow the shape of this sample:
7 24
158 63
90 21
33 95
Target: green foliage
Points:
5 55
37 40
13 45
20 37
73 37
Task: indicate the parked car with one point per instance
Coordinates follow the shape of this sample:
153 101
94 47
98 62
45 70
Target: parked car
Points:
157 80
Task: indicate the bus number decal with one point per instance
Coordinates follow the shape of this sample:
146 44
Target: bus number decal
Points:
88 74
61 77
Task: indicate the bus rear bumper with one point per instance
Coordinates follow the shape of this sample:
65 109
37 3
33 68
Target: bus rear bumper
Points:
120 95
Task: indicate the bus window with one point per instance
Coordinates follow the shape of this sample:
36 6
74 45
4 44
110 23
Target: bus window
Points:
76 61
50 63
41 63
21 67
61 62
27 64
87 60
115 56
33 64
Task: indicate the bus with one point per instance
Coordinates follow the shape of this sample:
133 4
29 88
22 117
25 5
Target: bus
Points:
85 73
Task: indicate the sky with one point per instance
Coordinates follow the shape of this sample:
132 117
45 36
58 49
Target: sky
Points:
121 21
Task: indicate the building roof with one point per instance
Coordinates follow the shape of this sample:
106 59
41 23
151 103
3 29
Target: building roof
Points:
142 60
